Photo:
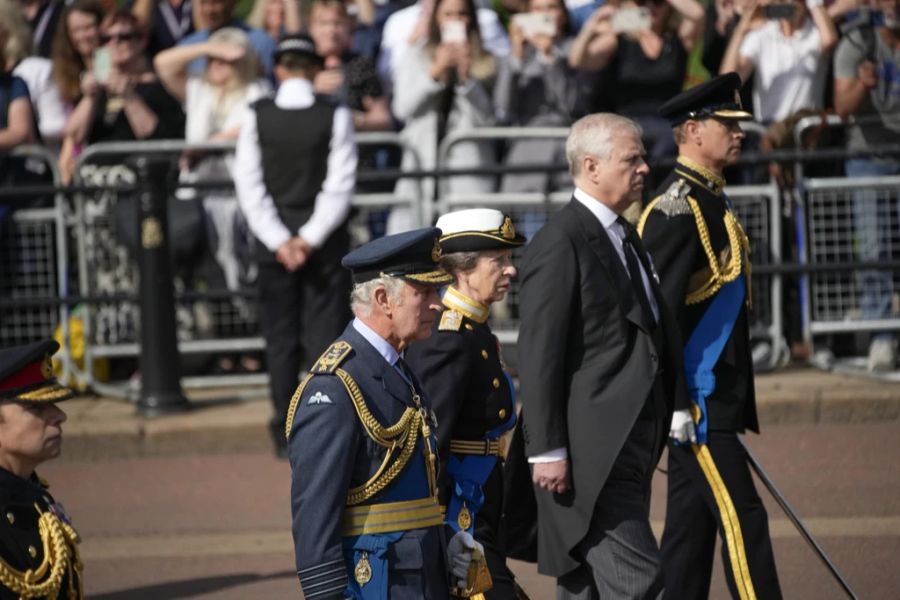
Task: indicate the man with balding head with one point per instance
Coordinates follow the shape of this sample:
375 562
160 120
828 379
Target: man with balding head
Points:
600 374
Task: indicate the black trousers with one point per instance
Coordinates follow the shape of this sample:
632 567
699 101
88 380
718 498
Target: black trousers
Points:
711 492
301 313
619 555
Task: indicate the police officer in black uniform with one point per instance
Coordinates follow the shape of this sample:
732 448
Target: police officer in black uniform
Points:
703 258
366 518
38 546
294 173
461 369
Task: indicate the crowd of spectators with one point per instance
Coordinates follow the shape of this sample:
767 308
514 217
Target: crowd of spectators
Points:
88 71
83 71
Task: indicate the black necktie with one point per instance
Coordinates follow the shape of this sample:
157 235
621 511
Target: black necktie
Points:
632 249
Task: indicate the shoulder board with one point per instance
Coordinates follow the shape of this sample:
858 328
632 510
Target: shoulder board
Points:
451 320
332 358
674 201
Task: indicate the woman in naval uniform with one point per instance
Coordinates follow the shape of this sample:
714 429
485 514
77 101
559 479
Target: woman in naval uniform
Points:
460 368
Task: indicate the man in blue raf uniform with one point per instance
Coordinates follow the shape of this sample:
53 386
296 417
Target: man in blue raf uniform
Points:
366 519
38 546
702 255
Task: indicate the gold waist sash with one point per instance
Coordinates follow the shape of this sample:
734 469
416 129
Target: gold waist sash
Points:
479 447
391 516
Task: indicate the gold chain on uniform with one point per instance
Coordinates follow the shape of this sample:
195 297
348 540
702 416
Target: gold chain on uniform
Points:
739 245
60 556
401 436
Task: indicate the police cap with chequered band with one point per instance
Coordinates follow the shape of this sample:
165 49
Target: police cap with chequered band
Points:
26 374
412 255
717 98
301 45
475 229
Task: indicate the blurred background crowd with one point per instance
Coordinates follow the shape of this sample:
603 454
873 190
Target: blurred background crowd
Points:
79 72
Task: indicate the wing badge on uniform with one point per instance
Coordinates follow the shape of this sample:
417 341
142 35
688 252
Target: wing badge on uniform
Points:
319 398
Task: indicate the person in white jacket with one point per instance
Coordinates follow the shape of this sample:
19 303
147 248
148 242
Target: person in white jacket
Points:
442 85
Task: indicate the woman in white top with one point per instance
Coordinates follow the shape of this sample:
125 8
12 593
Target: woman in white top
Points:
215 104
440 86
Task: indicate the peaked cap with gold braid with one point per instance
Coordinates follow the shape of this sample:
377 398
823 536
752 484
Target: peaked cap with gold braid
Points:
26 374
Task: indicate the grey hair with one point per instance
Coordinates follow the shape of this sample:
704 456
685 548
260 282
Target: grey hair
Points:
459 262
593 135
361 294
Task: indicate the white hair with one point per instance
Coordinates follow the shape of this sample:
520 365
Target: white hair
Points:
593 135
362 294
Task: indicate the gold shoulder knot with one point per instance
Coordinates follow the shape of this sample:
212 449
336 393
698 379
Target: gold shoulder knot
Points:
675 199
332 358
451 320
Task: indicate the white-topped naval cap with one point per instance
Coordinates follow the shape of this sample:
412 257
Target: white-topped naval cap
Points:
475 229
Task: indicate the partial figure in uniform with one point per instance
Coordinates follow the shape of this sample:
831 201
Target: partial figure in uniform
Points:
366 518
38 546
600 374
462 371
702 255
294 173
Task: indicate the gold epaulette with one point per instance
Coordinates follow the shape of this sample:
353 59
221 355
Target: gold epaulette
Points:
451 320
673 202
332 358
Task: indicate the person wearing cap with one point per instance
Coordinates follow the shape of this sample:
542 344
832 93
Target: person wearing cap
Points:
366 518
703 258
599 373
38 545
462 371
294 173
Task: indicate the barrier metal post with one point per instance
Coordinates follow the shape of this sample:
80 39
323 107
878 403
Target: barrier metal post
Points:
159 360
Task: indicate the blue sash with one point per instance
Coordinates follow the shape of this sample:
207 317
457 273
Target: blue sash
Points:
703 349
412 483
469 472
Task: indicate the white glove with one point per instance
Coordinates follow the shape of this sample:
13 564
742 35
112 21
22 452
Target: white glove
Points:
459 556
682 429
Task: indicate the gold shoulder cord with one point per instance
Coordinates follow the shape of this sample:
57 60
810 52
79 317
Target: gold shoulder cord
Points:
399 439
60 545
739 245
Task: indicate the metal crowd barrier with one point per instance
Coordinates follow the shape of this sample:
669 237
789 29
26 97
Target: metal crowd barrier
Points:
758 206
851 219
104 266
33 257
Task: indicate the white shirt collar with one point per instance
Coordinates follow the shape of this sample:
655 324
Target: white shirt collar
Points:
388 352
295 92
604 214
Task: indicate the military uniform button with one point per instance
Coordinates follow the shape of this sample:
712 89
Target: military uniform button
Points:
32 551
495 383
502 413
469 326
10 517
484 354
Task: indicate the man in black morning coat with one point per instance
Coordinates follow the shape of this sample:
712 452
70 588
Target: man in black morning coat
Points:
600 374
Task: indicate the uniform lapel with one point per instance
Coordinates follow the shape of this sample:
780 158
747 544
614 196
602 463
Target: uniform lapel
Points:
601 245
378 369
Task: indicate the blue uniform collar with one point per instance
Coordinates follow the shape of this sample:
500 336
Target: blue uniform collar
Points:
388 352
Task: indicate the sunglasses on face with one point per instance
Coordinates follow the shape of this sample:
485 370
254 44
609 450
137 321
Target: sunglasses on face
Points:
118 37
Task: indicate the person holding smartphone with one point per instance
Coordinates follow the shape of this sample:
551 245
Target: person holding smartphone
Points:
440 85
785 56
536 87
646 54
127 101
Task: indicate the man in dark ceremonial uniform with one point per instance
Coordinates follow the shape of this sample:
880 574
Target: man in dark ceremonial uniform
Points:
702 256
38 546
360 431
